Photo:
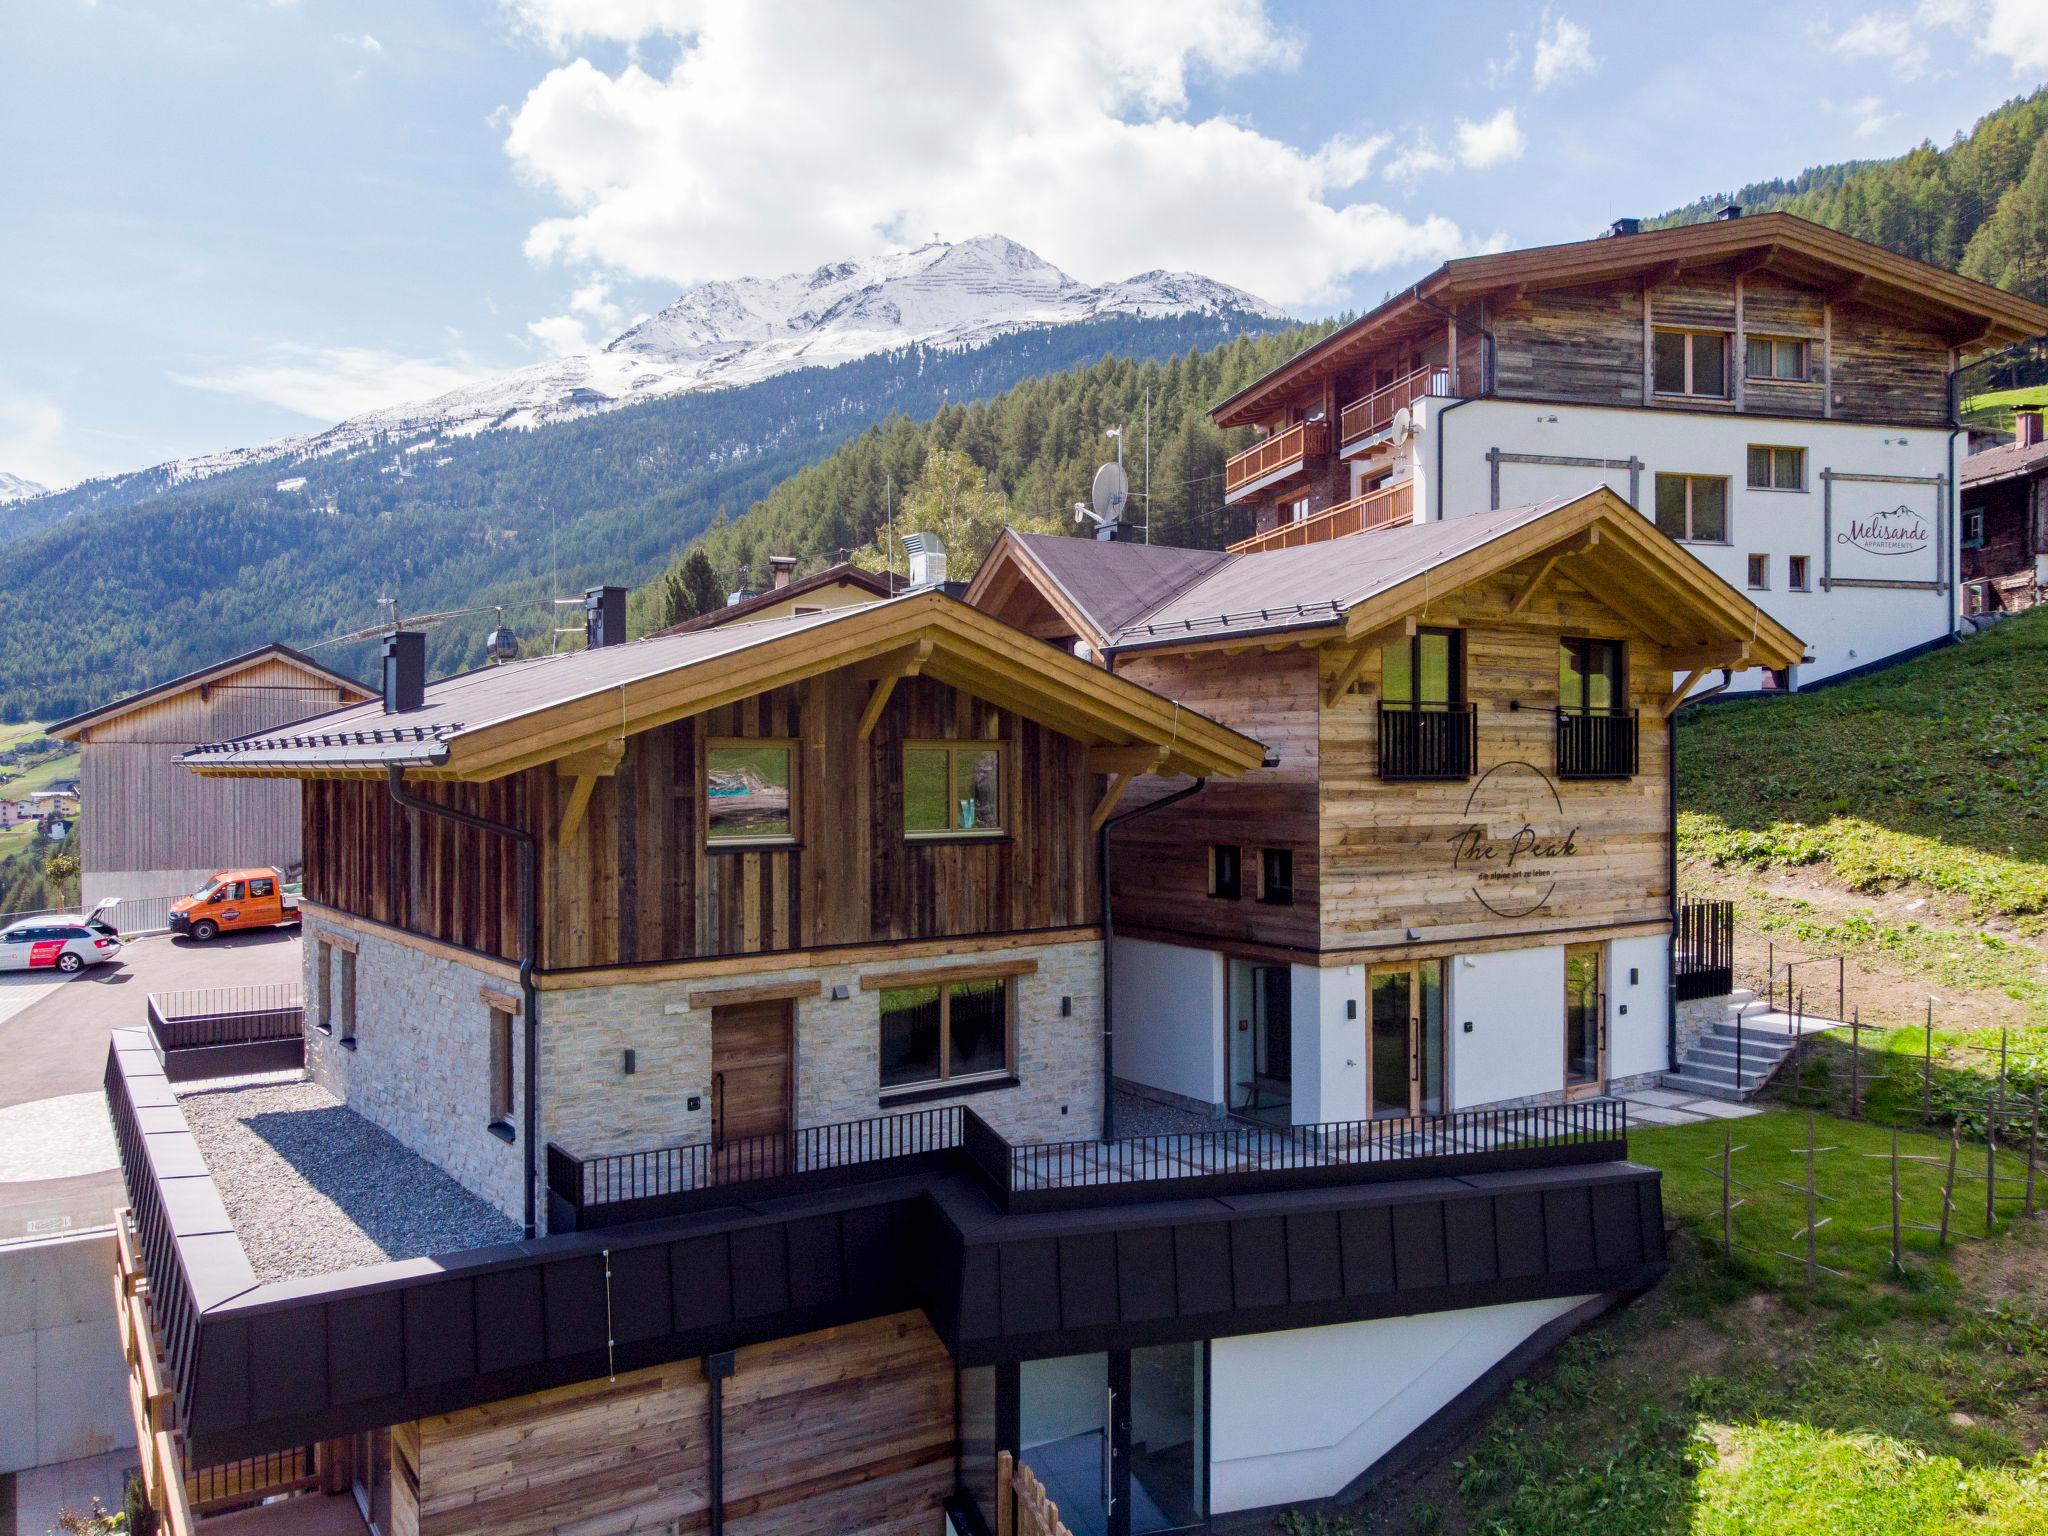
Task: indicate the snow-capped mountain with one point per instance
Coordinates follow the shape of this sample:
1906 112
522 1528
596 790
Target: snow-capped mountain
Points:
726 333
15 488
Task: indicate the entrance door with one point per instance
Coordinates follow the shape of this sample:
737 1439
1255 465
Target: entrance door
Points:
1261 1044
750 1089
1119 1439
370 1477
1405 1022
1585 1020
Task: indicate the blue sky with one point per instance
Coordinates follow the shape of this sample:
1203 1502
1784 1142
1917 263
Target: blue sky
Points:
222 221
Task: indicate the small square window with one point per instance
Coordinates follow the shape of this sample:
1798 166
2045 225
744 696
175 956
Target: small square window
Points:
952 788
1693 508
1797 578
1776 469
1759 572
1973 529
1769 357
748 792
1226 871
1690 363
1276 877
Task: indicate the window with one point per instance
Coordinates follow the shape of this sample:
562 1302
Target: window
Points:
1425 727
1691 363
1589 676
1424 671
1973 529
1776 469
1276 876
952 788
347 1002
799 610
1797 578
262 887
748 792
323 986
945 1032
501 1067
1226 871
1772 358
1759 573
1693 508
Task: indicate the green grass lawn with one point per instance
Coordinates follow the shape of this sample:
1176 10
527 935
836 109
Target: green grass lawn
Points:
20 784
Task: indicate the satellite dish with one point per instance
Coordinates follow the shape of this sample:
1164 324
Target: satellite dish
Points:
1111 491
1403 426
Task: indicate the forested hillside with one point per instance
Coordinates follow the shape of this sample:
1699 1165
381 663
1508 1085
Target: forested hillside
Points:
1980 206
132 582
1039 445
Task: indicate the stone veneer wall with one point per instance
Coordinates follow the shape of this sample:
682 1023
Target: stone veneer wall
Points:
421 1064
1697 1016
590 1105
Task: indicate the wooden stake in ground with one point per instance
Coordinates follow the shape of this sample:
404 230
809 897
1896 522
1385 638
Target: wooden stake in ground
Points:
2033 1149
1898 1263
1856 1065
1948 1188
1927 1069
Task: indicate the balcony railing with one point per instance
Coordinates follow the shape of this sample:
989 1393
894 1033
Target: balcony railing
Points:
1433 742
1383 508
1303 440
1596 745
1372 417
225 1031
609 1190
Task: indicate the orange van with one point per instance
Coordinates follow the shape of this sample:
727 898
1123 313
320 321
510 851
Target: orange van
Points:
232 901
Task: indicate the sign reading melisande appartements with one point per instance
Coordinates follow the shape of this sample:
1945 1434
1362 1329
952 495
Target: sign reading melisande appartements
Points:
1517 842
1883 531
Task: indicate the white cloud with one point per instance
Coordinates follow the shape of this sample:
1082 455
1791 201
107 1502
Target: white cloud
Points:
1417 158
330 384
1890 37
1564 50
33 440
1493 142
561 335
2014 30
1068 129
1867 114
369 44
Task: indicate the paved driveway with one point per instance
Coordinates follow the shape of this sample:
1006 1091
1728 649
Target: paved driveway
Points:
57 1166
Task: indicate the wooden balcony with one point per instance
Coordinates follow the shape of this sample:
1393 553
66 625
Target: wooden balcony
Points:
1282 451
1362 421
1383 508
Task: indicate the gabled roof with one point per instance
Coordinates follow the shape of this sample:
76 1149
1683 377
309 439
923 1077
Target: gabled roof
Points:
495 721
2007 462
1098 585
1973 314
68 729
844 574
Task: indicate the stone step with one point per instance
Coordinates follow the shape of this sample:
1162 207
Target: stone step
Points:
1700 1088
1708 1072
1759 1055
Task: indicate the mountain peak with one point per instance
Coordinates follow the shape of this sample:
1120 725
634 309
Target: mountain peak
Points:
17 488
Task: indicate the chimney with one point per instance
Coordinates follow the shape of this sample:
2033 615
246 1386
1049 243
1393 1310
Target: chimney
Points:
782 566
1625 227
405 671
604 617
927 559
1727 211
2027 423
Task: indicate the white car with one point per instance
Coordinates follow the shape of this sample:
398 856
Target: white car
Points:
59 943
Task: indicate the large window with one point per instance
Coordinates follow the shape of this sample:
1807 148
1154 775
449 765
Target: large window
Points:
952 788
749 792
1425 725
1424 671
1776 469
1596 731
1769 357
945 1032
1691 363
1693 508
1589 676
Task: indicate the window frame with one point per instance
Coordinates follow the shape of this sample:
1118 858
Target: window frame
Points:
1689 333
1774 341
1727 532
789 839
500 1081
346 1004
946 1081
1219 888
953 747
1456 668
1799 573
1271 893
1964 538
1758 573
1774 450
323 991
1582 646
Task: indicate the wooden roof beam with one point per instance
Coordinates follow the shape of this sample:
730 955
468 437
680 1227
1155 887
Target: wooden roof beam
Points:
1578 546
1664 272
586 768
1110 796
1756 260
1144 758
1361 653
885 672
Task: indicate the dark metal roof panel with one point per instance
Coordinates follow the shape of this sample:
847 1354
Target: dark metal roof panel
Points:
1114 583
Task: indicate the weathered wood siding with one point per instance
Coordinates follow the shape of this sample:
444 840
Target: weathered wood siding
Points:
847 1429
1783 310
637 882
1582 344
1887 370
1161 872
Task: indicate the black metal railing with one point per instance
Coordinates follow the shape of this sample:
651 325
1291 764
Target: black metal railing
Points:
228 1031
1704 949
611 1189
1596 745
1430 741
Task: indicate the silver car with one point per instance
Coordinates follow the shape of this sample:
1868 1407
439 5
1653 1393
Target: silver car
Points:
58 943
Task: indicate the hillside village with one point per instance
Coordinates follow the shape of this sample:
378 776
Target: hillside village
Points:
1427 921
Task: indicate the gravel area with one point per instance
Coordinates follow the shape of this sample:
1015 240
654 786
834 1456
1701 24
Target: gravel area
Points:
313 1187
1139 1116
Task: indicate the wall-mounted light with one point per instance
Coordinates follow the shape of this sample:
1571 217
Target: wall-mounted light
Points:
1350 1007
841 992
631 1063
1066 1007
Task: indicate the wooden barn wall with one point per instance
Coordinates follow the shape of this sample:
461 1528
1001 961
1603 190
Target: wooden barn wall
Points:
1387 849
1886 369
1161 871
636 883
847 1429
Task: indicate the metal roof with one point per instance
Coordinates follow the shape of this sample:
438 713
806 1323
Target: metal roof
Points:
1112 583
275 650
2006 462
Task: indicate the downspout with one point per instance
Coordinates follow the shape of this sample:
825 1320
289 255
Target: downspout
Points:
1952 514
529 945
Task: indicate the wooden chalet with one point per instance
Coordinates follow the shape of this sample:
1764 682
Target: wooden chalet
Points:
2005 521
792 596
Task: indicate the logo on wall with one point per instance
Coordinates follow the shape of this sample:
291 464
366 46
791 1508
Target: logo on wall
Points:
1513 866
1900 531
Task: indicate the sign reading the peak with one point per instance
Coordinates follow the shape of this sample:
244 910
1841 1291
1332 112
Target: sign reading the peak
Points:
1517 842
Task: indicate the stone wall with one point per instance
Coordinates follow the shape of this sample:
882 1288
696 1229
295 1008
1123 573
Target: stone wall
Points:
1698 1016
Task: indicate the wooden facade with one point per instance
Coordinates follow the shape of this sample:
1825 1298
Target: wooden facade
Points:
636 881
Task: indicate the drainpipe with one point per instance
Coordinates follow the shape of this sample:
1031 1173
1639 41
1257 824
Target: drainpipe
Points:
1952 515
529 945
1109 947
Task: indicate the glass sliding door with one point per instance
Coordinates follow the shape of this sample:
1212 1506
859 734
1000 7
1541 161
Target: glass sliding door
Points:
1405 1018
1119 1439
1063 1435
1169 1441
1261 1042
1585 1024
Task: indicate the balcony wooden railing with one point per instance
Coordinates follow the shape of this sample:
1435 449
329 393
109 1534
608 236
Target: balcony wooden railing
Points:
1303 440
1374 415
1383 508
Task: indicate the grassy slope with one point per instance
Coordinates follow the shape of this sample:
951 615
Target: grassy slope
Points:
19 784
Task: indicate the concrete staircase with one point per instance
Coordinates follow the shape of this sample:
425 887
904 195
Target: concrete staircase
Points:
1711 1068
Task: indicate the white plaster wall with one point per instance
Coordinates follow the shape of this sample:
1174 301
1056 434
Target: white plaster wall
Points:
63 1386
1329 1049
1638 1041
1845 627
1298 1414
1514 1001
1169 1017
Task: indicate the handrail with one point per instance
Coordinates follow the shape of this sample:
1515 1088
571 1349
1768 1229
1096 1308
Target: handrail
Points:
1303 440
1374 414
1383 508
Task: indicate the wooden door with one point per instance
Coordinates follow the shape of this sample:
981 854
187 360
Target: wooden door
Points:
751 1083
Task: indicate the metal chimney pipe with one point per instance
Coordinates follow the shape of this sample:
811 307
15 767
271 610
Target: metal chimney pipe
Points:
604 617
405 671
